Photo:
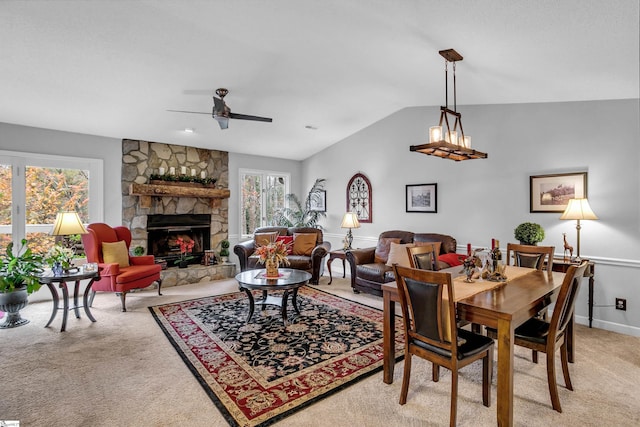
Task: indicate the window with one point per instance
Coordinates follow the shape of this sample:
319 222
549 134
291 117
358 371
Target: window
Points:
262 195
34 188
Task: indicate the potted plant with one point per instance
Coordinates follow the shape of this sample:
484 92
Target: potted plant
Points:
224 252
138 251
300 214
18 279
529 233
59 259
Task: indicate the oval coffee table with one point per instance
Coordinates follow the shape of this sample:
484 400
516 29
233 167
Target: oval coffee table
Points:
290 280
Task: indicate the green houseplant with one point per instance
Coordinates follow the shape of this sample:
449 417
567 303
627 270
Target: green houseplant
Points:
224 252
18 279
529 233
300 214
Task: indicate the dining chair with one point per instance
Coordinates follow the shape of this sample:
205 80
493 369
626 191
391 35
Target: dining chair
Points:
531 256
423 301
423 257
549 336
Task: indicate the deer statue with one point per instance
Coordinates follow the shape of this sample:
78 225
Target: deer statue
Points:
567 247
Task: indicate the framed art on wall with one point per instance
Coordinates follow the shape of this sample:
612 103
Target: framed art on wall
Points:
318 202
422 198
551 193
359 197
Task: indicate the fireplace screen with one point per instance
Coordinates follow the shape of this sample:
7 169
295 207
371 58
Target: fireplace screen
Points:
164 231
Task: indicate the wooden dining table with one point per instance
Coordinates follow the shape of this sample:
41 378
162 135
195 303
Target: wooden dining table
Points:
504 307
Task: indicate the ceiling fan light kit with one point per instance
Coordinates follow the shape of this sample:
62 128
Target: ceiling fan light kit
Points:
222 113
444 141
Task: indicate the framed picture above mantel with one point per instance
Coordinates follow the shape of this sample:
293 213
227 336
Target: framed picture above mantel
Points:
551 193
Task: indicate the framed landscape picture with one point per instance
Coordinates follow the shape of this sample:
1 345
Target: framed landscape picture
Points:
551 193
319 201
422 198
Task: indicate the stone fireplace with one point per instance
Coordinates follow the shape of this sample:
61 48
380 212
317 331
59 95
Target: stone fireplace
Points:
158 214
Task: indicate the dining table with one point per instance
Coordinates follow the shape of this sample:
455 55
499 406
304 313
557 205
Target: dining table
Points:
500 305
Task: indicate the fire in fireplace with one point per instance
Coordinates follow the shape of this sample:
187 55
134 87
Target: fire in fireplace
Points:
164 230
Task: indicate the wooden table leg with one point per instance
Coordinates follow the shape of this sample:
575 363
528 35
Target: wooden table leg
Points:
329 261
388 338
505 373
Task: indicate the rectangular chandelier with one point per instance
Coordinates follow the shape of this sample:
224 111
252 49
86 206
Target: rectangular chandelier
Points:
444 140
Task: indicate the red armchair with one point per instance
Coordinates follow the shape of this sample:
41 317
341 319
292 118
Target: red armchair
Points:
141 272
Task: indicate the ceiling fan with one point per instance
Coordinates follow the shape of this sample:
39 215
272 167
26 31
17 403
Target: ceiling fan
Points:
222 113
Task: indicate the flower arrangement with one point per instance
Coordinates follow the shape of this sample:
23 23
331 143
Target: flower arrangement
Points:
274 251
186 246
59 254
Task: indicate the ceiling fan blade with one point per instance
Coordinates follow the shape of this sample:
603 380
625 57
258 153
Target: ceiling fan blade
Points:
191 112
248 117
222 121
218 106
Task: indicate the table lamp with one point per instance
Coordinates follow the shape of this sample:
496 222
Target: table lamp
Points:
578 209
67 223
350 220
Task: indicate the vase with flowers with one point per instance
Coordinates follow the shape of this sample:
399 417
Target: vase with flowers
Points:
273 255
186 246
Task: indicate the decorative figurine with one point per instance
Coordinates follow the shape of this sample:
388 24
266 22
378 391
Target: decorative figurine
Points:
567 248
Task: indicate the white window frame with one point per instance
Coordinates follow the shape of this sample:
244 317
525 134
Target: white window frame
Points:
19 162
264 173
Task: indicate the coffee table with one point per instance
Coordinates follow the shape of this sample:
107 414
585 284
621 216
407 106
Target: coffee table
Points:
290 280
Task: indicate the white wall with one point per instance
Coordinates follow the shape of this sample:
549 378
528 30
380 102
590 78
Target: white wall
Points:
483 199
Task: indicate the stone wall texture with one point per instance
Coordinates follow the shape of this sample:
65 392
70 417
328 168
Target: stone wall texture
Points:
141 159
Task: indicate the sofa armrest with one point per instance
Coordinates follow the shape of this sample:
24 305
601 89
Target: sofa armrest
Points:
357 257
111 269
244 250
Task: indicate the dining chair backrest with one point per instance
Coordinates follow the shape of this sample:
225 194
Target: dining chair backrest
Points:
530 256
423 257
421 299
566 301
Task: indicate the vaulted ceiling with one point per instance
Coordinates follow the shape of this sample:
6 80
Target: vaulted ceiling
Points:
322 70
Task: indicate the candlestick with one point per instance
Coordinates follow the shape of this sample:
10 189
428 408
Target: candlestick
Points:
183 170
203 174
161 170
193 172
493 244
172 170
469 249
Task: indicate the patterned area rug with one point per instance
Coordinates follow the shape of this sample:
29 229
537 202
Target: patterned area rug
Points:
260 372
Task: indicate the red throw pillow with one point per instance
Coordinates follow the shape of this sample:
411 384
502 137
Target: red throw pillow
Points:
452 259
287 240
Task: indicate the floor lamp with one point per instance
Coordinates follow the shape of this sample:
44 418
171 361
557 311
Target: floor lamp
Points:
350 220
578 209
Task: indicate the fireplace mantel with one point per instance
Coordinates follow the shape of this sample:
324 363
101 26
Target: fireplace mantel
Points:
146 191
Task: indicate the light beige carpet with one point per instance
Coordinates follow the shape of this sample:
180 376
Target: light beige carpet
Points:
122 371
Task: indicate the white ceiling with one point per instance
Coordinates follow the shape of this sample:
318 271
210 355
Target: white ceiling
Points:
113 68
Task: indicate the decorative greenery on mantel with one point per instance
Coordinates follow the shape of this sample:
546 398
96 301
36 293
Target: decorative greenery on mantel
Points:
183 178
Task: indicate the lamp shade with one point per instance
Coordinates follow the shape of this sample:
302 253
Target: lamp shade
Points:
67 223
578 209
350 220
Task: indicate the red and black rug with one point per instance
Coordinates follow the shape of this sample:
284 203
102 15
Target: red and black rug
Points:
260 372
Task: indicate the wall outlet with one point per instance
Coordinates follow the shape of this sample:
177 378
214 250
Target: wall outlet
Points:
621 304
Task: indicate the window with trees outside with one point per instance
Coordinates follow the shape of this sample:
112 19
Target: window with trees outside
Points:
262 195
34 188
